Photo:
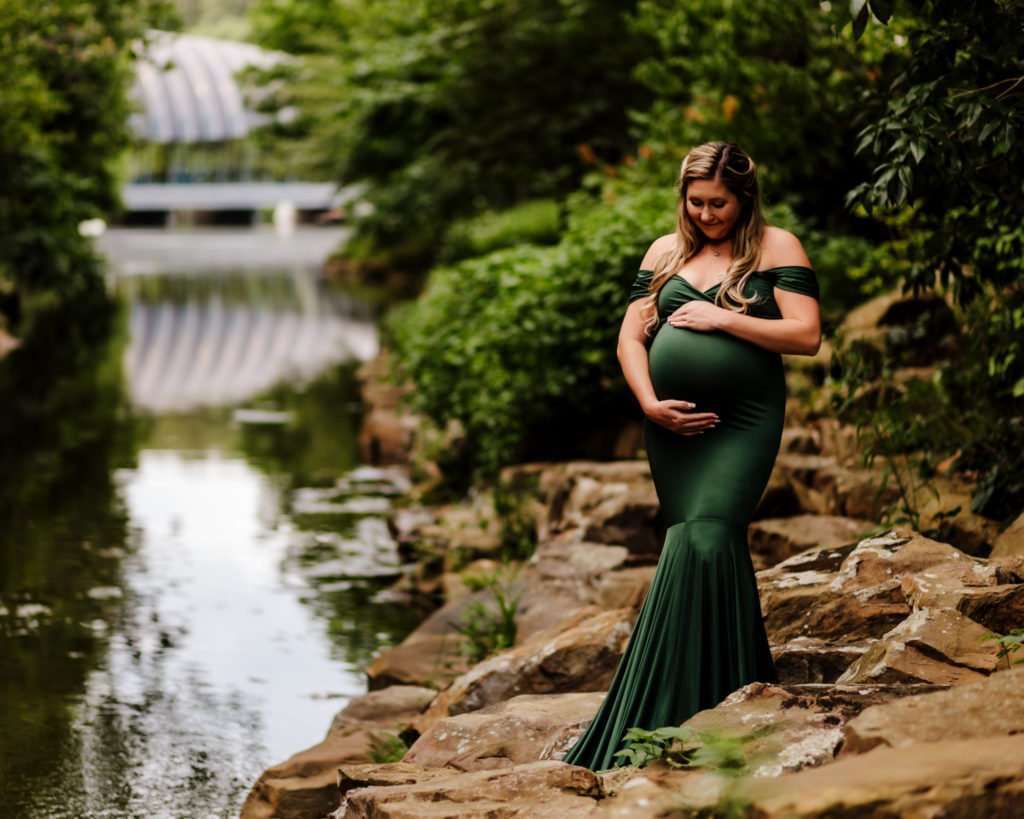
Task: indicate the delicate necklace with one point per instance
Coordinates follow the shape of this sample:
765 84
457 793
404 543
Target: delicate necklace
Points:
715 251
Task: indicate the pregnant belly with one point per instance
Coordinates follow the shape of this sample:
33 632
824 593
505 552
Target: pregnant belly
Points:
715 370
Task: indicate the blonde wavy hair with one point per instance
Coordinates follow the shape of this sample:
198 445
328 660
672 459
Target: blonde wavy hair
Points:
733 167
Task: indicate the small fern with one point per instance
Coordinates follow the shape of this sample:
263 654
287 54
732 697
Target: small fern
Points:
1009 644
488 630
386 747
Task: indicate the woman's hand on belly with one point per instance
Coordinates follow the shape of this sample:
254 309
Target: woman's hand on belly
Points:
673 414
697 315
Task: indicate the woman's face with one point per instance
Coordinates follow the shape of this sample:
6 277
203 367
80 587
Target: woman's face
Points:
712 207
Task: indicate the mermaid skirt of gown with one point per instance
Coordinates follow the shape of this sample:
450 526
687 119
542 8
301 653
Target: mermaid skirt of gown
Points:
699 634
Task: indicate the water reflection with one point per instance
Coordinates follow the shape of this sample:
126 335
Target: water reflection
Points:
186 596
215 341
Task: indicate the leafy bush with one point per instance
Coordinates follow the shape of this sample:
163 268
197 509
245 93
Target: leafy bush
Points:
969 410
523 339
941 143
534 222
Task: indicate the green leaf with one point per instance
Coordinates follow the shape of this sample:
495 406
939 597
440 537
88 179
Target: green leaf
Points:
882 9
859 9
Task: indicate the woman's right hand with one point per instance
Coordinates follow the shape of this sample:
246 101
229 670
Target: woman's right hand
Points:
676 416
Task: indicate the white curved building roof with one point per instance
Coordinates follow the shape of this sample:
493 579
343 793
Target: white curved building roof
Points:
186 90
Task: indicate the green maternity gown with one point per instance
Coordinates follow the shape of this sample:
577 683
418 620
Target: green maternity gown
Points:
700 634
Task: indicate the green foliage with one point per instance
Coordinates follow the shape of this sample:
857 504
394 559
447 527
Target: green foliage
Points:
1009 644
518 528
63 120
386 747
641 746
681 747
451 108
946 184
488 630
940 141
727 755
306 27
523 339
772 77
894 425
970 407
986 389
534 222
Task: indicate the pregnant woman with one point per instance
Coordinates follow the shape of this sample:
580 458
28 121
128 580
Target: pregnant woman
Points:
714 306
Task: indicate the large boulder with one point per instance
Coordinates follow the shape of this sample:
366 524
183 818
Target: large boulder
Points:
991 707
535 790
1011 540
432 654
896 607
394 705
801 724
772 540
562 578
875 587
610 502
623 589
946 502
524 728
779 729
950 778
813 660
306 784
800 598
824 486
580 654
931 645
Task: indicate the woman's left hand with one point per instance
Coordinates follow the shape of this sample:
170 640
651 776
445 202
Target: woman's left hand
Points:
697 315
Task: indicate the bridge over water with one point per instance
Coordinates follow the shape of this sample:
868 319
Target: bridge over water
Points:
195 127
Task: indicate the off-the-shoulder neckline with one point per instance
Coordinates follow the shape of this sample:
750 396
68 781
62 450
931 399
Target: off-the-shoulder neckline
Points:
718 284
765 270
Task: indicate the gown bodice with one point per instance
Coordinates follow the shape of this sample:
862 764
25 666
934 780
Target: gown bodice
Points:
762 283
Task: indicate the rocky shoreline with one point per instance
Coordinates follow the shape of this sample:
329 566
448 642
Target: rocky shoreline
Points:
895 697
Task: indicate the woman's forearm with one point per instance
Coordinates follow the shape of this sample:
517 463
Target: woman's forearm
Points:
789 336
632 356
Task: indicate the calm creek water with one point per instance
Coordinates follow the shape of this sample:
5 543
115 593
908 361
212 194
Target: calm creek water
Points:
189 549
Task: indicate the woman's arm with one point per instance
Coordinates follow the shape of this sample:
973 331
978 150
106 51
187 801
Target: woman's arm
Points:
798 332
675 414
632 355
632 347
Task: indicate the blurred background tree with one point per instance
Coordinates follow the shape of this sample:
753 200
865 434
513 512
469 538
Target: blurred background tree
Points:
448 108
63 123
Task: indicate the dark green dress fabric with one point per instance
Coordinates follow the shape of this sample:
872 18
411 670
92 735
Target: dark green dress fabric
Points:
700 634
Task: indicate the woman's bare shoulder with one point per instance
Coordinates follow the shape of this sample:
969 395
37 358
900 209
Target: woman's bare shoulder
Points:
659 247
781 247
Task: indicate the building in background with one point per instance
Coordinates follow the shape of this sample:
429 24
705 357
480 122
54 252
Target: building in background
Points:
197 160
